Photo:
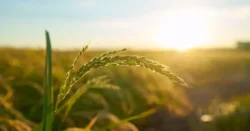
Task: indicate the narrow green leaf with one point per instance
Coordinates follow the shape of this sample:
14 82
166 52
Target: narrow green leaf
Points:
48 91
142 115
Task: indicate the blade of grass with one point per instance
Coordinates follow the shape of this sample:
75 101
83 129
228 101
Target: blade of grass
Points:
87 128
91 123
48 91
142 115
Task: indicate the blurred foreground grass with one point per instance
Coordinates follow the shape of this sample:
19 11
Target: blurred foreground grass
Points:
216 75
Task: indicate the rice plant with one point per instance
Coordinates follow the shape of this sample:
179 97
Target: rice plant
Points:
106 59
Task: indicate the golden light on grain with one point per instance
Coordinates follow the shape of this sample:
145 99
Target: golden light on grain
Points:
183 30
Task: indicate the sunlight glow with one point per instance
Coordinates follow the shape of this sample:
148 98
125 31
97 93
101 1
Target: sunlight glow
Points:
206 118
183 30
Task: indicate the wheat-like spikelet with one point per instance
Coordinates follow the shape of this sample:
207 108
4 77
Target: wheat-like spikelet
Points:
129 61
112 53
107 59
67 83
72 66
101 82
67 77
80 53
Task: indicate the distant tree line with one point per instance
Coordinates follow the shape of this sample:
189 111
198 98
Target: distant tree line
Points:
243 45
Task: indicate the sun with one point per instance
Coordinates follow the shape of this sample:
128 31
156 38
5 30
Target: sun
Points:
183 30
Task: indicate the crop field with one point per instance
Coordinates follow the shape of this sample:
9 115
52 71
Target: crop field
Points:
136 98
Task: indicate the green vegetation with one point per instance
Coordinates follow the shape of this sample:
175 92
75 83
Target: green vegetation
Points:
114 97
106 59
48 90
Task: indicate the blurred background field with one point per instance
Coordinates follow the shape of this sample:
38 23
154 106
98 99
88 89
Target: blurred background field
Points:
218 101
205 42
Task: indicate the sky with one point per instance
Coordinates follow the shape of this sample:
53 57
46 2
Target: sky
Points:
136 24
